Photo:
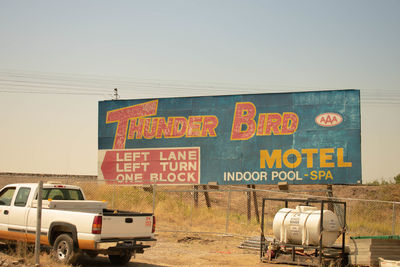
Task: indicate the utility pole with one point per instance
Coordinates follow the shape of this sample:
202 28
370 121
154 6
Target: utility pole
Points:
116 96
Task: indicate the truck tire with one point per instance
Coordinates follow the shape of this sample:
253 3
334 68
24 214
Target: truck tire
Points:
63 249
120 259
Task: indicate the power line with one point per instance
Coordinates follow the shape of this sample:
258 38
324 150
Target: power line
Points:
159 82
47 93
167 83
23 82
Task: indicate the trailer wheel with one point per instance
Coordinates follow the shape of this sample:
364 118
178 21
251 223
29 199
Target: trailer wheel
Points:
63 249
120 259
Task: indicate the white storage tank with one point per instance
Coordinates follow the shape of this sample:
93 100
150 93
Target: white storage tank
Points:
301 226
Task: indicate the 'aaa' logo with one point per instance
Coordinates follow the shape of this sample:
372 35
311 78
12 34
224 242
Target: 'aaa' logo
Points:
328 119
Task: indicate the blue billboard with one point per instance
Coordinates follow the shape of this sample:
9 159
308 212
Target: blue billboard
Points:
299 138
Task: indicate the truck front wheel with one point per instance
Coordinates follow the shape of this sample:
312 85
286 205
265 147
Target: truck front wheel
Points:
63 249
120 259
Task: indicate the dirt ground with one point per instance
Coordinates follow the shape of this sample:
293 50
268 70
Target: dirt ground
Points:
170 250
190 250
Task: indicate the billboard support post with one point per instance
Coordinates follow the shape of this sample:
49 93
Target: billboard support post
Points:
206 196
255 203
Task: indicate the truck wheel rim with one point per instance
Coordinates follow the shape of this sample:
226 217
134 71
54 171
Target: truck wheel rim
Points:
62 250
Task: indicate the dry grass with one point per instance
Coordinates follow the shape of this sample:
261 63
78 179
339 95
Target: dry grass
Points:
371 218
24 253
176 211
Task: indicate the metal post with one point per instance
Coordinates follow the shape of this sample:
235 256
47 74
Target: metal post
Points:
293 253
321 228
394 220
113 196
191 213
248 193
38 223
344 229
262 229
154 198
228 210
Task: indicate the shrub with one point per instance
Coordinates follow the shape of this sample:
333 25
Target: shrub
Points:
397 179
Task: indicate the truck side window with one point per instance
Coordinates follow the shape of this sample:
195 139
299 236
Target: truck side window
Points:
22 196
6 196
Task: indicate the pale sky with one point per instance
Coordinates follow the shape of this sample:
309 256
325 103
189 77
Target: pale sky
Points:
59 58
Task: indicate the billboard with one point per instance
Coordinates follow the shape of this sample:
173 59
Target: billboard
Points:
299 138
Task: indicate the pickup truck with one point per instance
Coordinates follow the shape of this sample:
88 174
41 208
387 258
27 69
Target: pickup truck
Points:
72 225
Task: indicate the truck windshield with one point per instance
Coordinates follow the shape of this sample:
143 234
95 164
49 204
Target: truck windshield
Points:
62 194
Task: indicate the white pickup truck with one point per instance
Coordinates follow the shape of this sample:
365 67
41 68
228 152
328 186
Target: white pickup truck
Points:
72 225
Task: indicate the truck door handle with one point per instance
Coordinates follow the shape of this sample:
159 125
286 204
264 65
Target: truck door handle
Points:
5 212
128 220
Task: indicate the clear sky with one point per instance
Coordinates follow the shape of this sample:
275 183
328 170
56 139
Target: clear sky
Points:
59 58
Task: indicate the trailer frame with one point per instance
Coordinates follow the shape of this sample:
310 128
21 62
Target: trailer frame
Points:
319 249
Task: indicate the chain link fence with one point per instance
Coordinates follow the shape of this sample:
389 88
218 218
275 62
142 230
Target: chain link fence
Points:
235 210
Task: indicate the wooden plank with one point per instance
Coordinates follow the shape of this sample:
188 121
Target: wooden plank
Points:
196 196
206 196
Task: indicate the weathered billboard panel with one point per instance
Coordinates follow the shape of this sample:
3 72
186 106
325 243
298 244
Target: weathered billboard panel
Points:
299 138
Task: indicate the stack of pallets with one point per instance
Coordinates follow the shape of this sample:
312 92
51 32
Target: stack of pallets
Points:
366 251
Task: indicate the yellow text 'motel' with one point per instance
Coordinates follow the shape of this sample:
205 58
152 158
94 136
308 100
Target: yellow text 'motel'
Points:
325 158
